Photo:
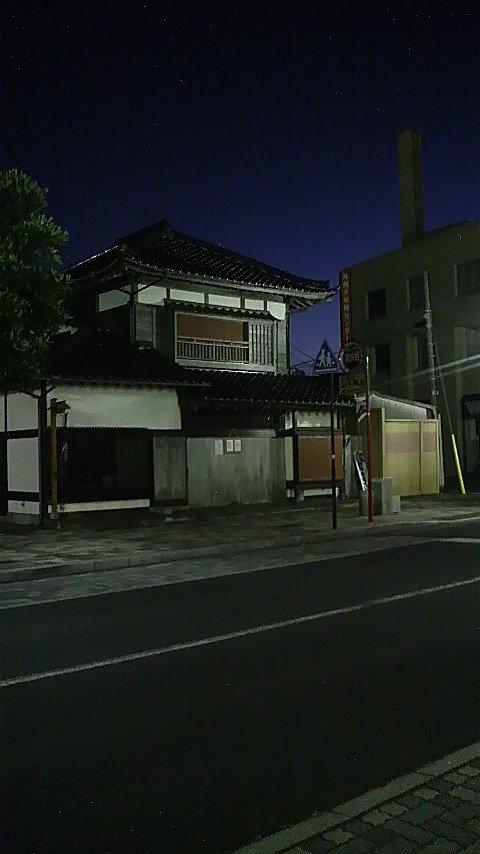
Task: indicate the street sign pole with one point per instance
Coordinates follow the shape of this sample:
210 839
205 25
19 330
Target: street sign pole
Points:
369 450
326 363
332 446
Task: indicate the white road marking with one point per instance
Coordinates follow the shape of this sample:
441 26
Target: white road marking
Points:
456 520
254 630
458 540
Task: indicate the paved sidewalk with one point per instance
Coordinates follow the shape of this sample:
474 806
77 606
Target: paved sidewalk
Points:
115 541
435 809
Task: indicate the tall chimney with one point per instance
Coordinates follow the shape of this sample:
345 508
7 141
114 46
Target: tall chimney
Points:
411 186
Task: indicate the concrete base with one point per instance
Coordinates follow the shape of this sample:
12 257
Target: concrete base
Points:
22 518
383 501
395 507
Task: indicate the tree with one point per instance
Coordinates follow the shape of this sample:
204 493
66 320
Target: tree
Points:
32 290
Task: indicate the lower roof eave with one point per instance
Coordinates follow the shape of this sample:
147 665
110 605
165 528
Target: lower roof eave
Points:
274 407
118 381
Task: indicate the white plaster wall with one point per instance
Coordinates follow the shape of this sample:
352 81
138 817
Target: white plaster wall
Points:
126 504
221 299
277 309
22 412
101 406
154 295
187 296
254 304
313 419
112 299
26 508
22 458
308 419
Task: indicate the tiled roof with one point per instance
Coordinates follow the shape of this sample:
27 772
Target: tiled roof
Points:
161 248
101 355
238 388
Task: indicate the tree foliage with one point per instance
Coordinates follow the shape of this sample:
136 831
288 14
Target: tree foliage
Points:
32 290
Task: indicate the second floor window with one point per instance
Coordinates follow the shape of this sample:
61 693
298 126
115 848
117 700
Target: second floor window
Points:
376 304
420 353
468 278
382 359
472 342
416 293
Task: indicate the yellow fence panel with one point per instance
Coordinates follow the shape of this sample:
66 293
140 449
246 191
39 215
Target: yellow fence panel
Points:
402 456
429 479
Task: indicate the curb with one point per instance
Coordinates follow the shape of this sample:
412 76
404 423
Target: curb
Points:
154 560
285 839
158 559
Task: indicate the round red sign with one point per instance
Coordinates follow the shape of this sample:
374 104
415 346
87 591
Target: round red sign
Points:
351 356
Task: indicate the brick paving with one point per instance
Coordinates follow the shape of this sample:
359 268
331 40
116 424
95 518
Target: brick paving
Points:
121 539
433 812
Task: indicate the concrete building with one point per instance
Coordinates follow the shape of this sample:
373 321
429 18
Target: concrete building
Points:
388 296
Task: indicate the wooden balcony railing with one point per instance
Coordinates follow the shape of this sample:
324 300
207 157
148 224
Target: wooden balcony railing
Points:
202 350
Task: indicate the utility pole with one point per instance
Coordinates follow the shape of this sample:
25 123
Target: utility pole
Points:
369 443
429 334
431 369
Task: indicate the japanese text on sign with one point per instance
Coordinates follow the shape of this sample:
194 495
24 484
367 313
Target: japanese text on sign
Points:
345 306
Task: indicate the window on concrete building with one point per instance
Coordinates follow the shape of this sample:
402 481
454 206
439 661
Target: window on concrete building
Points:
420 353
468 278
416 293
382 359
472 340
376 304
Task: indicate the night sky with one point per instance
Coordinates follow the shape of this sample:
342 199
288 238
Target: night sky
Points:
268 129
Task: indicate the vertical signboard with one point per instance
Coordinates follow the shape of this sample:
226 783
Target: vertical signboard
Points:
345 307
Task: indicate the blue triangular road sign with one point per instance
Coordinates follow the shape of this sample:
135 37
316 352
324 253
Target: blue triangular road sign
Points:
326 361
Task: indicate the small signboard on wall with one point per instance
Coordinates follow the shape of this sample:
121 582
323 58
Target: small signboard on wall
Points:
231 446
352 383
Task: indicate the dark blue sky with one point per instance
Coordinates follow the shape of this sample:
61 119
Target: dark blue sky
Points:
265 128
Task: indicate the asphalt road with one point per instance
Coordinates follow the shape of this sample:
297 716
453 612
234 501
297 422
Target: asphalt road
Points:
238 705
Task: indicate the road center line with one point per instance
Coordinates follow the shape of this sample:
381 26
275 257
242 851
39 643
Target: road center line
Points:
254 630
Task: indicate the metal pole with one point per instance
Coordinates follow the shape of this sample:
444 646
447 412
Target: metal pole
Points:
295 455
450 425
429 333
369 452
332 447
53 458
